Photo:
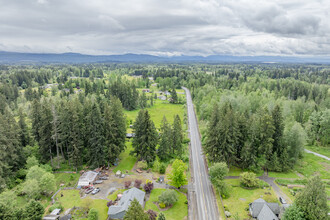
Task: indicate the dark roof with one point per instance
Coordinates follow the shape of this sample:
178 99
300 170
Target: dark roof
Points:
66 217
257 206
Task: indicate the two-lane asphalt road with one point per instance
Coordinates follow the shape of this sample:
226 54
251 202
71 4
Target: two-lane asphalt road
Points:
207 208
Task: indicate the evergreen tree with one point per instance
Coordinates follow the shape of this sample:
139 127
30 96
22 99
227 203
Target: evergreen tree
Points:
174 96
36 119
177 136
161 216
135 212
24 132
115 129
33 210
278 130
146 137
96 139
165 142
293 213
312 200
212 135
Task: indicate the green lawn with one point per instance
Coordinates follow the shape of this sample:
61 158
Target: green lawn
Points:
72 198
157 112
127 161
318 149
68 179
236 171
312 164
289 174
177 212
240 198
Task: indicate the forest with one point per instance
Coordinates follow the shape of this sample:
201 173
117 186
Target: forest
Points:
252 116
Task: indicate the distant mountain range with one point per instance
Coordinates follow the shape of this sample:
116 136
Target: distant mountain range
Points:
39 58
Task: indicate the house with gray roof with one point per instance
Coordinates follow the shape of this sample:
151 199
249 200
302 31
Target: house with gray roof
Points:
118 211
262 210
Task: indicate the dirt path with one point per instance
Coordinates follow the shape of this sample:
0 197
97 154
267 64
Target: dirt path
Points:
317 154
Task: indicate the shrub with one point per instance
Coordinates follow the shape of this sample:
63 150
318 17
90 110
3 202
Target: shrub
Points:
162 168
168 197
110 203
249 180
156 166
142 165
93 214
128 184
57 205
148 187
162 205
152 214
137 183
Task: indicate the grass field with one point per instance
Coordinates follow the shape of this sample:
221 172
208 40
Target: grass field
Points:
72 198
68 179
177 212
318 149
312 164
236 171
127 161
289 174
157 112
240 198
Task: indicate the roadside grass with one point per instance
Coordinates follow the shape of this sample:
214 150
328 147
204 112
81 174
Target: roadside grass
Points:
287 192
220 207
311 164
157 112
72 198
68 179
239 199
319 149
177 212
127 161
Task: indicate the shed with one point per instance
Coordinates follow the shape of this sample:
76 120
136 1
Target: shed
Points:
118 211
51 217
87 178
55 212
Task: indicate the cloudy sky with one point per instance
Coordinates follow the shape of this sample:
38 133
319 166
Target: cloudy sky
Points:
167 27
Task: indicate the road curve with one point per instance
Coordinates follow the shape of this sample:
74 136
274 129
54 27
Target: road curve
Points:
206 206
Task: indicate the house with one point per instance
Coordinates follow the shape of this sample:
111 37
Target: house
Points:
87 178
262 210
118 211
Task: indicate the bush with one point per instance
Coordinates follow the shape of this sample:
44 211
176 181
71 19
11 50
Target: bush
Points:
128 184
137 183
142 165
57 205
156 166
168 197
148 187
249 180
93 214
162 169
152 214
162 205
110 203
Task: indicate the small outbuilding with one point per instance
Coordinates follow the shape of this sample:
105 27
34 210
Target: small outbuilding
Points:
87 178
51 217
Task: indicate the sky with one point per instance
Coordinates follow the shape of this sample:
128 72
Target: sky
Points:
167 27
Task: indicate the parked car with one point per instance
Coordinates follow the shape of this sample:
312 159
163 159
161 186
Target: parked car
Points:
282 200
89 190
104 178
98 182
96 191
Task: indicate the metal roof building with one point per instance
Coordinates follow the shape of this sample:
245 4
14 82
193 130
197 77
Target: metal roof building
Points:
87 178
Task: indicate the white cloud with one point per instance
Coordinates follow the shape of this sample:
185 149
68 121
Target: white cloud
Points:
203 27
